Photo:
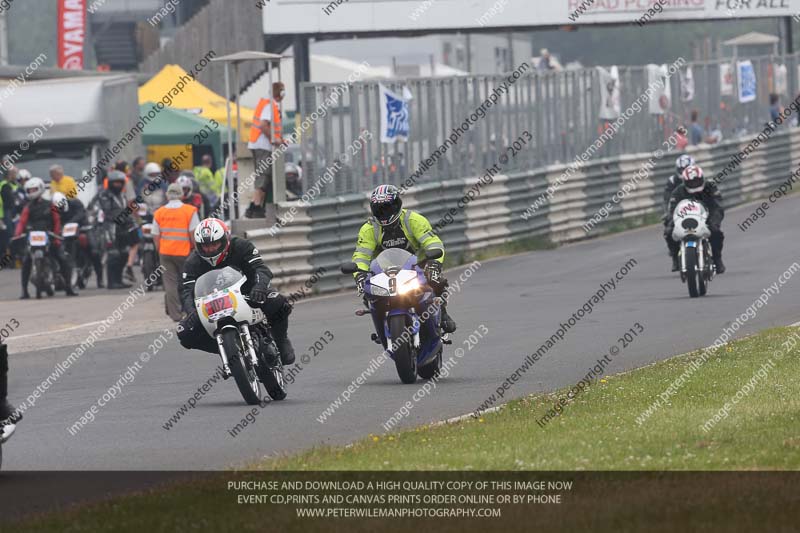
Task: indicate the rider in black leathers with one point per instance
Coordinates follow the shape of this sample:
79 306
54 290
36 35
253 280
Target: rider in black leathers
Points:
244 257
695 187
39 215
85 248
120 229
682 163
7 411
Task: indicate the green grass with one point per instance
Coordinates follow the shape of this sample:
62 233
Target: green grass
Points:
529 244
597 431
627 224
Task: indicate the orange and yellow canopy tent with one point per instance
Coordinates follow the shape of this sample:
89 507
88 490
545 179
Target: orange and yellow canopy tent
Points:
195 98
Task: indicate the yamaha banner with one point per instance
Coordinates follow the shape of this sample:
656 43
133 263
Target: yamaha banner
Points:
71 33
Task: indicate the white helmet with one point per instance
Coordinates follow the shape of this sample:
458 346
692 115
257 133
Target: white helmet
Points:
34 188
152 170
23 174
212 240
60 201
185 182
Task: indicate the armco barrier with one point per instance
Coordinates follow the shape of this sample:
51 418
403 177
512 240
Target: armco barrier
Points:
323 233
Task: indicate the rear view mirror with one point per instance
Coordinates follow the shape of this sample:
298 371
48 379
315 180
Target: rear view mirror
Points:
349 268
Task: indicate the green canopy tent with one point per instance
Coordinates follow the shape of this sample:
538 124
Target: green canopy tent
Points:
175 126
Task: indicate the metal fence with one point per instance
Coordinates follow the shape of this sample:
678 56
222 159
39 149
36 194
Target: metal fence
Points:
558 109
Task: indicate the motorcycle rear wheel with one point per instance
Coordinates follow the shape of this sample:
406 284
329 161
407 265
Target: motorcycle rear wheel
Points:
244 375
404 357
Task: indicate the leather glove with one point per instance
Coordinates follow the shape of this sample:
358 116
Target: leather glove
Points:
433 271
361 280
258 294
260 290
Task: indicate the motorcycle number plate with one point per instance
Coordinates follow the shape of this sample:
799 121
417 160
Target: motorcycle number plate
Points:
691 244
37 238
219 307
70 230
147 229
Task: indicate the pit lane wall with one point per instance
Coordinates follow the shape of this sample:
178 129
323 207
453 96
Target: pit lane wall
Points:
489 210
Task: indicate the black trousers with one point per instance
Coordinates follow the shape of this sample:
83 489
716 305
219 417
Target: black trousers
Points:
193 335
3 372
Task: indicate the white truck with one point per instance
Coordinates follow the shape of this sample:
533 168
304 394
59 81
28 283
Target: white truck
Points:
84 124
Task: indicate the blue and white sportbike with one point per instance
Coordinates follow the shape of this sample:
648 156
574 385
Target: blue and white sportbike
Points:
405 311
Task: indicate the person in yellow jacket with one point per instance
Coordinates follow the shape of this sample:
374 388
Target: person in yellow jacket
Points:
173 226
391 226
210 183
60 183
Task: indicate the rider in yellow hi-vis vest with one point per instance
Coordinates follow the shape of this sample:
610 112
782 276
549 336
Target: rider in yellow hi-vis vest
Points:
391 226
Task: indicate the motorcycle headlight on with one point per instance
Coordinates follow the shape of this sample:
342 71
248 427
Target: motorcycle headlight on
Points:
409 286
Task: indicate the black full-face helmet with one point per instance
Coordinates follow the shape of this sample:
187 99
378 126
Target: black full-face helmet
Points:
385 204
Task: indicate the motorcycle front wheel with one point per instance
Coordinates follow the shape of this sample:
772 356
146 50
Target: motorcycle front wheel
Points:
243 373
404 358
432 369
694 277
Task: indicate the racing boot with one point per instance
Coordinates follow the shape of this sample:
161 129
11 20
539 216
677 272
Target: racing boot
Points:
7 411
448 324
720 265
280 332
676 264
717 238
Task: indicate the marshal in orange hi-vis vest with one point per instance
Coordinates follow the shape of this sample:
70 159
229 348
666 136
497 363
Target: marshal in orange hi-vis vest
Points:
255 132
173 224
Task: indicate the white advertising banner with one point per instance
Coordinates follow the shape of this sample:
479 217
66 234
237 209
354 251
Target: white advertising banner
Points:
341 16
658 79
610 106
726 79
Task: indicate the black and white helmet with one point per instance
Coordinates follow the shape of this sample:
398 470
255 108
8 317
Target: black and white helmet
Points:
683 162
212 240
693 179
385 204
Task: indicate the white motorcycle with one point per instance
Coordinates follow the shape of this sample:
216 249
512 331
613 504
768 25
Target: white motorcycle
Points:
691 230
6 430
246 347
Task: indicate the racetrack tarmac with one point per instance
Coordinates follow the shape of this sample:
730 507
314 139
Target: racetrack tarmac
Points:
520 300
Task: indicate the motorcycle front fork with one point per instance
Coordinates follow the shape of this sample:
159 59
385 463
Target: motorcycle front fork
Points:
226 369
701 257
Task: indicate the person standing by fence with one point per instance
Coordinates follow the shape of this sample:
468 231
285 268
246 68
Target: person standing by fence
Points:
173 225
265 131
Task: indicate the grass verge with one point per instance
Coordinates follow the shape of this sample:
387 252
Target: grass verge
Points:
510 248
596 431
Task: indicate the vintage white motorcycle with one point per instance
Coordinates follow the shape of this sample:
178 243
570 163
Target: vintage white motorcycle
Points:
691 230
246 347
